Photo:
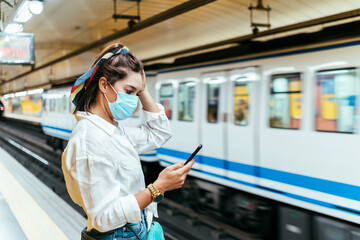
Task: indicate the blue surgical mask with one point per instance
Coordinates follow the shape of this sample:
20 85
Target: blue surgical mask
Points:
124 105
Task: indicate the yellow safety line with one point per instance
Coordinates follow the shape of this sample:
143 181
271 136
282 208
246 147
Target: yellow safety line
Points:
36 224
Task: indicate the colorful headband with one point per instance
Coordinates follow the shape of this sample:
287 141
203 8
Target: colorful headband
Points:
84 80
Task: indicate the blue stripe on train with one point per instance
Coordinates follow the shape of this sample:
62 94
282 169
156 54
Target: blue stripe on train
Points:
56 128
316 184
291 195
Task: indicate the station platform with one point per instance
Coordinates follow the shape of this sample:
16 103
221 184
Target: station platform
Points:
30 210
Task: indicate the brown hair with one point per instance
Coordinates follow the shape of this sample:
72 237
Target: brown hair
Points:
116 68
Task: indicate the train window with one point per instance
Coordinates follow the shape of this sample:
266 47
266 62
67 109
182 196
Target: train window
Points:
46 103
213 91
186 101
32 104
52 104
59 106
241 103
16 103
64 104
166 98
71 105
336 100
285 101
43 104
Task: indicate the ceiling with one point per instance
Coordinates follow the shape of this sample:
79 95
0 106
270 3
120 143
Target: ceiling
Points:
67 25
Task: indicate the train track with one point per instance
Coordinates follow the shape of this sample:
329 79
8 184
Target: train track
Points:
29 148
182 223
34 145
179 222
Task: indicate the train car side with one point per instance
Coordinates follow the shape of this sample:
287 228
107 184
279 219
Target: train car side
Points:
280 126
57 120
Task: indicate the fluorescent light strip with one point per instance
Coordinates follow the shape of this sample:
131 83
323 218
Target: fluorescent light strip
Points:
23 14
13 28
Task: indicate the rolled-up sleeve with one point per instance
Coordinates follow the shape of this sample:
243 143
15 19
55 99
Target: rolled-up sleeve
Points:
116 214
130 208
92 181
153 134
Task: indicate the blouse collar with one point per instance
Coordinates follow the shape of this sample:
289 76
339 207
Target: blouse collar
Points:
98 121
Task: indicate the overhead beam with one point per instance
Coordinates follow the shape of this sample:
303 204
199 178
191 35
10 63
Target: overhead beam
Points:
163 16
6 3
322 20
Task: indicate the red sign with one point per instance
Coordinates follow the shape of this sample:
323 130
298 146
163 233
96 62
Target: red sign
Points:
17 48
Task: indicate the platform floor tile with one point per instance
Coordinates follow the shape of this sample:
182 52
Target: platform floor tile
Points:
9 227
39 212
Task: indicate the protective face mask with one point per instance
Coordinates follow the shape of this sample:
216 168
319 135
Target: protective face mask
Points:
124 105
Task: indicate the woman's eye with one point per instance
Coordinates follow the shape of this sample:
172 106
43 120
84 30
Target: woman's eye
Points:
129 92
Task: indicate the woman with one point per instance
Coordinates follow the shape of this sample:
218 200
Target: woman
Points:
101 164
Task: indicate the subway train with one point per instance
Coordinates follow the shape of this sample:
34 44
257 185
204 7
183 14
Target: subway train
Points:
281 125
280 136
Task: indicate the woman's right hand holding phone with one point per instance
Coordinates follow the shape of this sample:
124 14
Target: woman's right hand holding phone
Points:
173 177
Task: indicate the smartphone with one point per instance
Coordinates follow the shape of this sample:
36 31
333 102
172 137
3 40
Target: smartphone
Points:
193 154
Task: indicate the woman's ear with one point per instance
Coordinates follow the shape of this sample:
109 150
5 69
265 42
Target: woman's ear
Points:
103 84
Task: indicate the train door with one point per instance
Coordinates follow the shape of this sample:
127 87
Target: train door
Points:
212 122
186 129
241 142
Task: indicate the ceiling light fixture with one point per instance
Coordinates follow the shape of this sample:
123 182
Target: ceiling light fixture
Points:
132 18
23 13
36 7
13 28
262 16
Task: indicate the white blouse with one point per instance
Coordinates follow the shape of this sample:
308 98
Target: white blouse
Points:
102 168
